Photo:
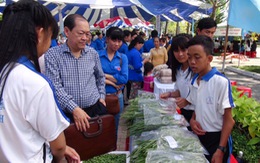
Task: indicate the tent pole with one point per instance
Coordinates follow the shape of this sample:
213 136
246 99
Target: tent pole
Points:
225 49
238 64
166 27
158 24
188 28
192 28
60 19
177 28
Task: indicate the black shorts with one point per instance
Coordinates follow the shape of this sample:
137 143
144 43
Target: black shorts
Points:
211 142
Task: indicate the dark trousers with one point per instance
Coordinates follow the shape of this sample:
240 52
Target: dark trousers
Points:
187 114
128 89
97 109
211 142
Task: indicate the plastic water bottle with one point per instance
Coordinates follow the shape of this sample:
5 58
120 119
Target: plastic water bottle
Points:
239 157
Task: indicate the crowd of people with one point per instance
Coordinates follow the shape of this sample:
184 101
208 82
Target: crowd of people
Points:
245 47
40 98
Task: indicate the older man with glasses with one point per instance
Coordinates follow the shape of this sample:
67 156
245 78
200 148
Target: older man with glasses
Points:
76 73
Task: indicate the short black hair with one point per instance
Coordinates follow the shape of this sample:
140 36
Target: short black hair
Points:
115 33
126 33
205 41
133 33
141 33
98 33
70 20
154 33
206 23
148 66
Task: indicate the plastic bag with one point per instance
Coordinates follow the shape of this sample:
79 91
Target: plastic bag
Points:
156 114
168 156
186 140
145 95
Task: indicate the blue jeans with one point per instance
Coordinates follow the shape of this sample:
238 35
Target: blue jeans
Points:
117 116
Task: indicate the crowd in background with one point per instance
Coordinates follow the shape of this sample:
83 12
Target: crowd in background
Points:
246 46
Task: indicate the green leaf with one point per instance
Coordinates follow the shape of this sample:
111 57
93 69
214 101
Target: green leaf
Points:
254 141
251 130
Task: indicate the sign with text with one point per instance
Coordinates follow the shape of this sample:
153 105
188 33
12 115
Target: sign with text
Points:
231 31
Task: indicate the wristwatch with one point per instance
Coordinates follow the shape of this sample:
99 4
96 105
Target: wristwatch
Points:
223 149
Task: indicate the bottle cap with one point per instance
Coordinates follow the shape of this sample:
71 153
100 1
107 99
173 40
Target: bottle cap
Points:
240 153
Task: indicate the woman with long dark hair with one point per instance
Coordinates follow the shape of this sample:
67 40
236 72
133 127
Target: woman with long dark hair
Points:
31 123
181 73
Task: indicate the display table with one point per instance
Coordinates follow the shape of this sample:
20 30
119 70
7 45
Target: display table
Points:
162 88
157 133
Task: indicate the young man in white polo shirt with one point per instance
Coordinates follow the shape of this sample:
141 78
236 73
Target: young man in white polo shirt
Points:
210 92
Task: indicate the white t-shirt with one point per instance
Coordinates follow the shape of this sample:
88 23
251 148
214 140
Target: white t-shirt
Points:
29 116
210 98
183 82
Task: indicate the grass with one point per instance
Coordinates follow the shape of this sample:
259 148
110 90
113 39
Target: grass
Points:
255 69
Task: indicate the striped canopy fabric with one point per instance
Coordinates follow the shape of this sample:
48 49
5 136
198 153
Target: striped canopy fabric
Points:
94 15
123 22
95 10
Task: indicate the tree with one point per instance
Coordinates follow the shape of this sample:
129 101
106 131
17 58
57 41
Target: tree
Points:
218 6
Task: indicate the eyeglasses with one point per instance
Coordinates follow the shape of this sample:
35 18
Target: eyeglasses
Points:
81 34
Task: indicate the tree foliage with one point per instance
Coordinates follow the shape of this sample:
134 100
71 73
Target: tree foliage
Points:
219 7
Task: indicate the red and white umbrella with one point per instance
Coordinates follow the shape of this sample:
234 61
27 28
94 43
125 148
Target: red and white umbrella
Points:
107 22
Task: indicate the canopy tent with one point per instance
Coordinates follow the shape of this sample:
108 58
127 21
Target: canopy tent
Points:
123 22
117 21
94 10
176 10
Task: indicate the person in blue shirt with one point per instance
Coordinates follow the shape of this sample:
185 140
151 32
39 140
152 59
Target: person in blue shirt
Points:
90 42
100 41
115 66
148 45
126 41
135 63
123 49
54 42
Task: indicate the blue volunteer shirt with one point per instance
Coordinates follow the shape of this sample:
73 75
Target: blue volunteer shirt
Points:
134 65
93 45
100 44
123 49
148 45
117 67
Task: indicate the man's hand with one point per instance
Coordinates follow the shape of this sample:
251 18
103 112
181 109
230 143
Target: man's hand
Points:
71 155
103 101
217 156
81 119
196 127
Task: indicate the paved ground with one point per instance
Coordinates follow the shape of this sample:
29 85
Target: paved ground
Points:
254 84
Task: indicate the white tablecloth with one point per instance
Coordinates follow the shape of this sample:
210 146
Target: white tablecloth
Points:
162 88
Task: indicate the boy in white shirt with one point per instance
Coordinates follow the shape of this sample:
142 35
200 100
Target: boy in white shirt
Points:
210 93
